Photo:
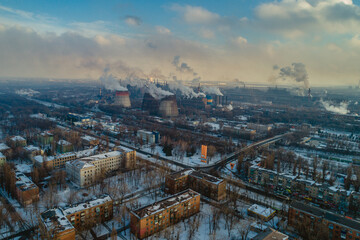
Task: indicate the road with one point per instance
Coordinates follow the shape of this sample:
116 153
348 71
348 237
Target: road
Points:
232 156
220 163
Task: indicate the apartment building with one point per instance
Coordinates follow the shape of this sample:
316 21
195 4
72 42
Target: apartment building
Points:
55 225
260 212
289 185
26 191
148 137
17 141
61 223
59 161
206 184
64 146
89 213
339 227
85 171
155 217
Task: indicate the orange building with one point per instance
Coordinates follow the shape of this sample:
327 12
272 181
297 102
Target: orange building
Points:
61 223
89 213
155 217
55 225
26 191
206 184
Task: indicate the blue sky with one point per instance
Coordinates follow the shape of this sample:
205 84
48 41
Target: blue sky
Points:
219 40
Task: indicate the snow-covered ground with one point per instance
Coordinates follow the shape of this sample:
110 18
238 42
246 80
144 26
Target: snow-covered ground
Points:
194 160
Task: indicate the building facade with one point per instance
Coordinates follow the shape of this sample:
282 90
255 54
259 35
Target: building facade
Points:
155 217
206 184
26 191
86 171
61 223
288 185
148 137
338 227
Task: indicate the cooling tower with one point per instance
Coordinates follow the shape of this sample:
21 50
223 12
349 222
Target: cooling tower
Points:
168 107
150 104
122 99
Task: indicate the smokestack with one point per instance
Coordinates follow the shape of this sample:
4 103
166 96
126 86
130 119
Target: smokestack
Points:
122 99
226 100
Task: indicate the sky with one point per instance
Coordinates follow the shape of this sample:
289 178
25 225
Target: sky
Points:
252 41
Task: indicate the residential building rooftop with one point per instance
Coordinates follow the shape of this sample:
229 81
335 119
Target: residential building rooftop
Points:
164 204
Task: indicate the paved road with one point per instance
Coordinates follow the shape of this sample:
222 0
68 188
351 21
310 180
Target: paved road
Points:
218 164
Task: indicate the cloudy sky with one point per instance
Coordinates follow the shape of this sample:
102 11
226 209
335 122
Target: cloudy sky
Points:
248 40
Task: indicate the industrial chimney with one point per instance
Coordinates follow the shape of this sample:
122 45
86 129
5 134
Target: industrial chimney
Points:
122 99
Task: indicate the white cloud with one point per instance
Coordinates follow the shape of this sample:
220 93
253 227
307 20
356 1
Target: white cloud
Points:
133 20
241 40
295 18
163 30
197 15
206 33
355 41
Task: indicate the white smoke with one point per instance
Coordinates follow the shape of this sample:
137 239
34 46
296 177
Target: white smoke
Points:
229 107
342 108
156 92
212 90
185 90
110 81
135 78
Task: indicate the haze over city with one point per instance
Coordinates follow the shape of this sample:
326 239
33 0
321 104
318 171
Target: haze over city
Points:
187 120
217 40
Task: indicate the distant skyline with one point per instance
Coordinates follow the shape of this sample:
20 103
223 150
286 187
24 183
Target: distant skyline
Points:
248 40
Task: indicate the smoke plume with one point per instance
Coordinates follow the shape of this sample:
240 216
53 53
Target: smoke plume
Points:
296 72
186 91
134 77
212 90
342 108
110 81
182 66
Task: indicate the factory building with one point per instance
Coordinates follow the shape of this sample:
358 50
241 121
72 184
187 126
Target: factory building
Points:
206 184
122 99
155 217
86 171
60 223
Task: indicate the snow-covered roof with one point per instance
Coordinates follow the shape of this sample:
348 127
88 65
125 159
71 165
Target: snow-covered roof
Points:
40 158
63 142
165 203
101 156
88 138
55 220
260 210
1 155
23 182
79 164
17 138
3 147
86 205
31 148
